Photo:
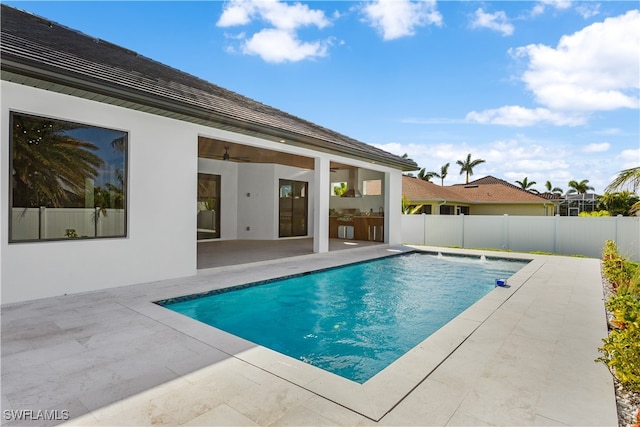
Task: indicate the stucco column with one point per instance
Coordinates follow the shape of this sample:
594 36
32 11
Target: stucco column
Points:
393 207
321 205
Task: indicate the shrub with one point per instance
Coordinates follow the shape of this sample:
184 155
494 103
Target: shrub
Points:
595 213
617 270
621 349
626 311
621 354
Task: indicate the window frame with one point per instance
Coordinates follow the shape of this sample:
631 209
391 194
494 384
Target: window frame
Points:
9 164
379 184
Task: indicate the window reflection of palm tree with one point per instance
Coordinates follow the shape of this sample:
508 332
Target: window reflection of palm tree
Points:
50 167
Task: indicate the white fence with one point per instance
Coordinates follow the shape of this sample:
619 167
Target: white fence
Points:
556 234
57 223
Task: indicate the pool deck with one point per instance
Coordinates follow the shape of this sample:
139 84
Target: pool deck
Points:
523 355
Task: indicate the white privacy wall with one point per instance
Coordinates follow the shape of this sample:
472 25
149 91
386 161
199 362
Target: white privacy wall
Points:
561 235
162 162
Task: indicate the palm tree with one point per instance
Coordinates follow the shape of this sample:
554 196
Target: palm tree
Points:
406 156
579 187
621 203
629 177
525 184
425 176
551 189
468 165
444 170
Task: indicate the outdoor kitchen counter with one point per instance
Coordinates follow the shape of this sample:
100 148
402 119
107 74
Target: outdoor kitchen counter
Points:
365 227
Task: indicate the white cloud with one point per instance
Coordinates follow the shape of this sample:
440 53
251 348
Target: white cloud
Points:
609 131
585 9
274 45
558 4
631 158
497 21
594 69
541 6
281 15
280 43
596 147
392 147
400 18
588 10
513 115
236 13
541 160
591 70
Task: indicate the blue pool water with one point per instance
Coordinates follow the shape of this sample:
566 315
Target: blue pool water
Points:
354 320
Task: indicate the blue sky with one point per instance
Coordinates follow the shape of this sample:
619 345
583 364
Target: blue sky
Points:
547 90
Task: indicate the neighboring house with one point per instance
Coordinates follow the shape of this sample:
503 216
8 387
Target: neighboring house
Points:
555 198
484 196
422 196
574 204
116 165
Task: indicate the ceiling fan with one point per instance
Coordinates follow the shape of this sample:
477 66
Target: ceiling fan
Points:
226 156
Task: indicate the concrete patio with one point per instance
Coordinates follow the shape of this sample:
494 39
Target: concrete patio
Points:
523 355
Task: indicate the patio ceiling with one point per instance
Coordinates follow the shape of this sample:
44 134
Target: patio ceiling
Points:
215 149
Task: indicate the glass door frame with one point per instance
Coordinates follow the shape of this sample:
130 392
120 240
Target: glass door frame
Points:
209 206
293 208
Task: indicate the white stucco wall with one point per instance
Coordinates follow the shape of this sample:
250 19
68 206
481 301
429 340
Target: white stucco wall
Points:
163 167
258 191
393 208
162 160
256 201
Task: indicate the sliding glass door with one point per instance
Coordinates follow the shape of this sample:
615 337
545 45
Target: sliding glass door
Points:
293 208
208 206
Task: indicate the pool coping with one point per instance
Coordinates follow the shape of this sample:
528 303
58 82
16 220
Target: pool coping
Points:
380 394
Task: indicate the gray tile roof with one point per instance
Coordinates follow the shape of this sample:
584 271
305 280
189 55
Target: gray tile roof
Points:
37 48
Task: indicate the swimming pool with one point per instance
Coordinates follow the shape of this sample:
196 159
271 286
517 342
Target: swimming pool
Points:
353 320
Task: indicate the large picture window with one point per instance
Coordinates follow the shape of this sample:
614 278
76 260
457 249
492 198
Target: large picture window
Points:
68 180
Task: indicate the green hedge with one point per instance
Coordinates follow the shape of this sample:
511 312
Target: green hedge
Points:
621 349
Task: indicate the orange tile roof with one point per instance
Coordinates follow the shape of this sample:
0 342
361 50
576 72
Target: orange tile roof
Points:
416 189
484 190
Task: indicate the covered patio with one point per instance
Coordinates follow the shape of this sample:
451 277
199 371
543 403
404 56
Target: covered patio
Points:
224 253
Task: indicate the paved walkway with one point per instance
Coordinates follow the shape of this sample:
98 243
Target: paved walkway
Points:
525 357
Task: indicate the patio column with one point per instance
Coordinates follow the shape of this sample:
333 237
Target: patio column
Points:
321 205
392 208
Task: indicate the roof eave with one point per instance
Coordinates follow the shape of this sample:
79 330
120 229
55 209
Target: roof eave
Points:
187 112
